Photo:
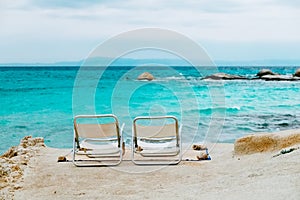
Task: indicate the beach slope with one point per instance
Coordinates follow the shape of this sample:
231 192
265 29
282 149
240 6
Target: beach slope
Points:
268 175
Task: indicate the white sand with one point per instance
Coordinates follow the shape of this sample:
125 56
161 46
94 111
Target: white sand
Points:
256 176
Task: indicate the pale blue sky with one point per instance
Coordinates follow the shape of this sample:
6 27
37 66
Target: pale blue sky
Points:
230 30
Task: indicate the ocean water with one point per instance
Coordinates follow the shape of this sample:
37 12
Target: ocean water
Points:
42 101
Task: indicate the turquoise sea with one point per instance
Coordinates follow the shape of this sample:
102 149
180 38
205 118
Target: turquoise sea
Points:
42 101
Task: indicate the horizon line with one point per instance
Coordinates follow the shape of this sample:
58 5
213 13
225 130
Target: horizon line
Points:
167 61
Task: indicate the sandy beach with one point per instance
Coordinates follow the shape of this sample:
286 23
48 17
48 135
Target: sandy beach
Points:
226 176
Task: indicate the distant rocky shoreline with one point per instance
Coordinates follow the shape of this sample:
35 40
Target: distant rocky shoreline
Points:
264 74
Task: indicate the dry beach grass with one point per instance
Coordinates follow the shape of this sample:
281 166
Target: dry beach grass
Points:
229 175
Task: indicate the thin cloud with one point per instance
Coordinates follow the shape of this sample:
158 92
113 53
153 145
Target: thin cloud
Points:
78 4
291 3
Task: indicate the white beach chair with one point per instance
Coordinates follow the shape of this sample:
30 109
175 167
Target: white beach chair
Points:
158 143
97 140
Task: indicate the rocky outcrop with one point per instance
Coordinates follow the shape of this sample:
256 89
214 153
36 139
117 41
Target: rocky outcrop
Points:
14 161
223 76
297 73
264 72
268 75
266 142
146 76
279 78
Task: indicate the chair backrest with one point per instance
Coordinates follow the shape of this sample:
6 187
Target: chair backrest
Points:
97 130
167 130
162 131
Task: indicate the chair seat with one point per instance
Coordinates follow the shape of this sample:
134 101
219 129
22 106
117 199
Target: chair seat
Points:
153 152
158 147
98 147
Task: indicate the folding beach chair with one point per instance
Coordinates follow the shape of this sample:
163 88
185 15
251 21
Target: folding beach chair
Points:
97 140
156 140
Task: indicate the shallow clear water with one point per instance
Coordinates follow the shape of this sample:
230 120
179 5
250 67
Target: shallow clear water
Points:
41 101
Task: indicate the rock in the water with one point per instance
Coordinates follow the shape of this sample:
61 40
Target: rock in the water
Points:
277 78
223 76
146 76
264 72
266 142
280 78
297 73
